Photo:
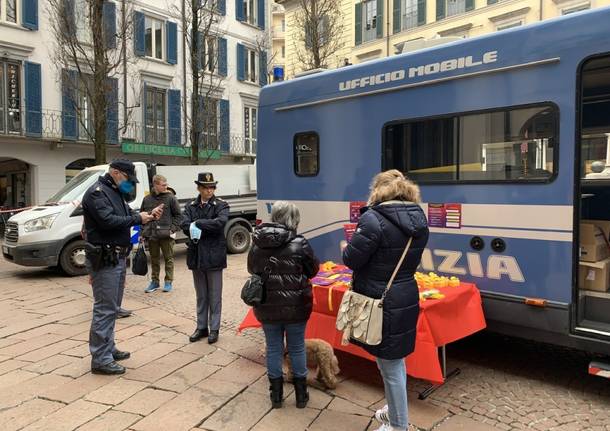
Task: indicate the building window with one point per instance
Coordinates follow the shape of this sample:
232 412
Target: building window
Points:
506 26
307 154
283 51
516 144
251 65
455 7
250 11
84 110
208 120
10 98
409 14
9 11
154 38
369 19
81 18
574 9
211 57
155 115
250 129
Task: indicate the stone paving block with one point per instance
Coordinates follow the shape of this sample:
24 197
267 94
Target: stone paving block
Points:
359 392
81 336
10 365
49 364
157 315
14 395
48 351
177 338
110 421
29 412
241 371
116 392
201 348
241 413
459 423
220 357
344 406
76 368
317 399
145 402
424 414
130 332
80 350
31 345
69 417
331 420
78 388
180 380
81 317
4 358
290 418
15 377
5 342
161 367
190 408
148 354
234 343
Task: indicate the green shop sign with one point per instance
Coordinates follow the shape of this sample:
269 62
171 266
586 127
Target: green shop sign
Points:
166 150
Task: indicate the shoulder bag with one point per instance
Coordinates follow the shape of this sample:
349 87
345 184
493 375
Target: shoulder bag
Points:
361 317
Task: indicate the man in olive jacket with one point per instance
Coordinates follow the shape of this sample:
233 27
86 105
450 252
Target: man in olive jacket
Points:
204 222
160 233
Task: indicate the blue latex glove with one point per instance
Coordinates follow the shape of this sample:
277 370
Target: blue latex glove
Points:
195 232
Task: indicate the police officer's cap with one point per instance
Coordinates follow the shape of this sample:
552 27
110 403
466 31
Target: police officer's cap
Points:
127 167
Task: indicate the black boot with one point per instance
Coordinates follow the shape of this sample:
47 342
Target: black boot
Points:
300 391
276 392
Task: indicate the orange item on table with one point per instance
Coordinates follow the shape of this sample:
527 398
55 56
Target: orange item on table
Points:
442 321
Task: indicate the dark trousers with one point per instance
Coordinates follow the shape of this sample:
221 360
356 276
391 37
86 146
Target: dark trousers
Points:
108 285
208 287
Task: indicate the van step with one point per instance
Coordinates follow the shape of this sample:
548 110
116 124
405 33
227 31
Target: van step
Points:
601 369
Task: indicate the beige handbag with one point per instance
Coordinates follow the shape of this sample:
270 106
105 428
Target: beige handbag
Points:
361 317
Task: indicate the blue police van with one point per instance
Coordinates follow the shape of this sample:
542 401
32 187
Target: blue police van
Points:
507 134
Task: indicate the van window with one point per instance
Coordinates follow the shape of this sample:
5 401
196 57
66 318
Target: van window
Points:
515 144
306 154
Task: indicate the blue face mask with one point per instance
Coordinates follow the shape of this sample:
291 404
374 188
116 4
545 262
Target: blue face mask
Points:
126 187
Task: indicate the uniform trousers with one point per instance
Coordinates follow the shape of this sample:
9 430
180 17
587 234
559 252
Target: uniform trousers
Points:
208 288
108 285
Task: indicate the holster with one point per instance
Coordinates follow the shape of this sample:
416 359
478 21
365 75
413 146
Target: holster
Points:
94 256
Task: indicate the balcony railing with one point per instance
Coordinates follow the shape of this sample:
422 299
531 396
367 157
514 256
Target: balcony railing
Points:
134 132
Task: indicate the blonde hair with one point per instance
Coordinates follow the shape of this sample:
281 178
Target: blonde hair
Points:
393 185
159 179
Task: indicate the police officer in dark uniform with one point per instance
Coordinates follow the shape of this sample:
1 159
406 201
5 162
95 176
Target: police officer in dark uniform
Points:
108 220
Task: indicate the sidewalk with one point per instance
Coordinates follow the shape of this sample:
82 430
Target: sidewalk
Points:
170 385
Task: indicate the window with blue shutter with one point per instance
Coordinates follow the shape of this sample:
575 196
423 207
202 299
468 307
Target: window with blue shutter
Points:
469 5
33 99
68 112
421 12
29 14
358 26
263 68
109 11
199 48
174 117
380 18
241 62
397 16
139 38
261 13
239 11
225 126
222 7
112 111
172 42
222 56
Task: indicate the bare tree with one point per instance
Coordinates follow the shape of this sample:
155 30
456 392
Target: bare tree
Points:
205 48
90 50
319 31
264 49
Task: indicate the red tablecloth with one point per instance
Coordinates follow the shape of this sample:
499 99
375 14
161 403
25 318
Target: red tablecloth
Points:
441 321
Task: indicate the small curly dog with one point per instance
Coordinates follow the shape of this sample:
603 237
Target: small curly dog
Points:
320 355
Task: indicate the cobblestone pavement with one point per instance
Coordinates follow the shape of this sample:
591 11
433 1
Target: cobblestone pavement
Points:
171 384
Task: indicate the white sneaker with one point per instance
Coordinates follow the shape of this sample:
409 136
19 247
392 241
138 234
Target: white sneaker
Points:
382 416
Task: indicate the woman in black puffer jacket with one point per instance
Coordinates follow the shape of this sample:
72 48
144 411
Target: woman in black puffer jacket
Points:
289 262
392 217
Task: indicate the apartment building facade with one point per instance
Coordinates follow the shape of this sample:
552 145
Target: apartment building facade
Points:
45 126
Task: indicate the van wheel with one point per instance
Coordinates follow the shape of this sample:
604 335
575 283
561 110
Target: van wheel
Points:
72 259
238 239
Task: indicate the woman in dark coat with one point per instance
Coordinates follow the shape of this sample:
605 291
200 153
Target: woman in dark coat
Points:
289 263
392 217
